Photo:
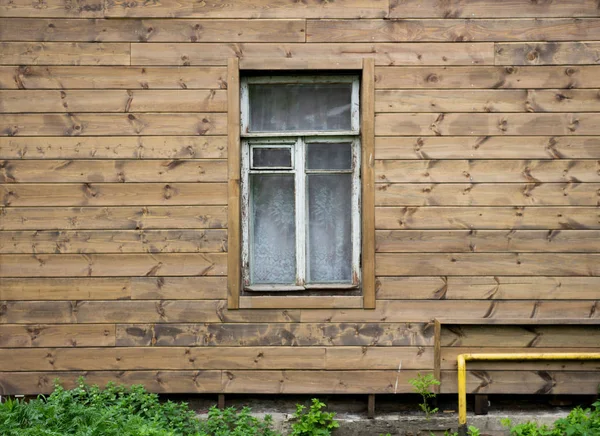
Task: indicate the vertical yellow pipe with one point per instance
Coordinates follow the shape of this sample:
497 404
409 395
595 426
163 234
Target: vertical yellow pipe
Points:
462 395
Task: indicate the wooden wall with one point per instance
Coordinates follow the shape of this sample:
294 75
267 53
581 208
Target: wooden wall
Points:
113 201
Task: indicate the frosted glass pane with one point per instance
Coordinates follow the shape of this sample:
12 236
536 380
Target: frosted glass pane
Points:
285 107
273 234
271 157
330 228
329 156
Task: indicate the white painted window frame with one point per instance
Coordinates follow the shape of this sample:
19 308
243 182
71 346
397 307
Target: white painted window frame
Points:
297 140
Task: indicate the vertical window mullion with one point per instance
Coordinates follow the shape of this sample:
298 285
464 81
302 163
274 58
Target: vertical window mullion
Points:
300 212
246 227
356 207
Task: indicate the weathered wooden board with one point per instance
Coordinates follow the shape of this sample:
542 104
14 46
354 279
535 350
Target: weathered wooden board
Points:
486 171
114 147
498 218
491 8
110 241
24 101
64 53
86 124
518 264
469 124
505 100
106 265
451 30
488 288
178 288
486 147
384 53
518 337
524 382
116 218
219 358
486 77
250 9
46 335
138 311
122 171
265 334
488 194
170 30
301 302
482 241
113 194
547 53
115 77
52 8
66 288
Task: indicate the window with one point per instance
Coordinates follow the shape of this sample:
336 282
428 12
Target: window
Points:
300 182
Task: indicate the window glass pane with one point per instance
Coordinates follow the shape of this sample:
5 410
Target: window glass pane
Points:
330 228
329 156
263 157
294 107
273 232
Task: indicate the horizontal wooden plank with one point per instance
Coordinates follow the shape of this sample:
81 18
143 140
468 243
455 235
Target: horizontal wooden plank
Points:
486 147
487 171
448 360
525 382
477 124
106 265
449 29
113 194
482 241
64 53
250 9
547 53
518 264
113 288
384 53
122 171
488 194
491 8
94 124
265 334
114 147
520 337
52 8
47 335
301 302
510 77
493 100
24 101
171 30
488 288
219 358
110 241
545 218
115 77
214 381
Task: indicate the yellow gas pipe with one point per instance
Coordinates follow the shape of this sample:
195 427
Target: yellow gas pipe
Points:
462 359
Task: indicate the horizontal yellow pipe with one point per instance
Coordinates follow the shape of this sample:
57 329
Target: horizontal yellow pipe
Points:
462 360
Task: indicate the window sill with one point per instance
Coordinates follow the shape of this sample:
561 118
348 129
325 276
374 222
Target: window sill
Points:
301 302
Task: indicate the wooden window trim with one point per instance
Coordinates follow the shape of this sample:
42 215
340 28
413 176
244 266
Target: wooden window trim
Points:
367 137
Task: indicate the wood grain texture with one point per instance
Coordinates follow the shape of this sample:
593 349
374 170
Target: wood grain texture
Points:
182 54
547 53
114 77
25 101
302 302
488 194
52 8
121 171
113 218
250 9
48 335
94 124
64 53
491 8
453 30
490 218
166 30
114 147
487 147
264 334
488 77
113 194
